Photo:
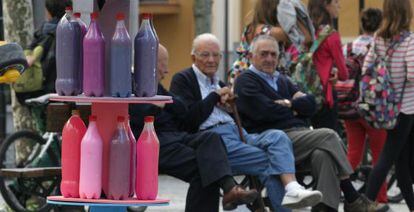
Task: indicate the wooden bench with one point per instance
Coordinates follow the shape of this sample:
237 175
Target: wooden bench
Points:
31 172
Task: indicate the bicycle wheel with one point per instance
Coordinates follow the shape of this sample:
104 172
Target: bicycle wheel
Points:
27 193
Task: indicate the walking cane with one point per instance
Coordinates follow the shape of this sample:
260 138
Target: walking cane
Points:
258 203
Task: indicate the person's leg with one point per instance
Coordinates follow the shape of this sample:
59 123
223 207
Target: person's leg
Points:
210 154
356 141
248 159
393 146
324 170
403 166
377 138
279 150
179 161
331 153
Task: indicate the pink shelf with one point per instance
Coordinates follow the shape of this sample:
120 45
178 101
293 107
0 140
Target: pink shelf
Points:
136 100
108 201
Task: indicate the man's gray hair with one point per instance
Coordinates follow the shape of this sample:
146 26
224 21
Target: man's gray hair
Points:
203 38
253 45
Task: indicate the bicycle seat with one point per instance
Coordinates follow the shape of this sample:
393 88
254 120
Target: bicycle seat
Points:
41 100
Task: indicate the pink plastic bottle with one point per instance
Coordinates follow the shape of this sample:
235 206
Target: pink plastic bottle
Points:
94 60
133 160
148 147
119 162
72 135
90 185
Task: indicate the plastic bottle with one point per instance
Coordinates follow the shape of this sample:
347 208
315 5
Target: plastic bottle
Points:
84 29
90 184
148 147
145 63
120 64
72 135
133 161
158 41
68 54
93 60
119 162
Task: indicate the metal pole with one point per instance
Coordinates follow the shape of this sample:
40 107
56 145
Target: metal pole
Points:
361 7
226 38
3 115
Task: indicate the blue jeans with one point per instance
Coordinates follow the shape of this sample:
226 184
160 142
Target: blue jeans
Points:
266 154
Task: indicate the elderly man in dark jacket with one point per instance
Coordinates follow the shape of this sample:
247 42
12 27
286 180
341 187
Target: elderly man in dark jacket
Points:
269 100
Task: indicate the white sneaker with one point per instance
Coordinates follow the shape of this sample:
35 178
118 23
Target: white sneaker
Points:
301 198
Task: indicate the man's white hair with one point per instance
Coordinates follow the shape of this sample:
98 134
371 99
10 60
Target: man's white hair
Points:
203 38
253 45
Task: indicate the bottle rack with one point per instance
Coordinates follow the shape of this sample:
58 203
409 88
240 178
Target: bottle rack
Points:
107 109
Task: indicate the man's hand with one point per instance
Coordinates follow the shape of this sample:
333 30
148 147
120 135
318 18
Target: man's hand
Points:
30 60
334 76
223 91
298 95
225 94
284 102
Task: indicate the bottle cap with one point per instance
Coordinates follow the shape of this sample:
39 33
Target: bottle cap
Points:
94 15
120 118
120 16
92 118
69 8
75 112
146 15
149 119
77 15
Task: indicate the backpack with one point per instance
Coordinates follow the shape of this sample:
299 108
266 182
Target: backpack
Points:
379 104
39 79
32 79
348 91
305 75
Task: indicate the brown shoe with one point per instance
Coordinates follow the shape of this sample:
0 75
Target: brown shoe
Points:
362 204
237 196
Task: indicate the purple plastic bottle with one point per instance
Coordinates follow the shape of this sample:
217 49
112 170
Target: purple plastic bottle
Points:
68 54
119 163
93 60
84 29
158 40
120 68
146 47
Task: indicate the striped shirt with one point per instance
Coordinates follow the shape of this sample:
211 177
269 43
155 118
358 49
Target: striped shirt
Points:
402 56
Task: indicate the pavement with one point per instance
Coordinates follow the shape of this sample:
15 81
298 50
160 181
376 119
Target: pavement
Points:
175 190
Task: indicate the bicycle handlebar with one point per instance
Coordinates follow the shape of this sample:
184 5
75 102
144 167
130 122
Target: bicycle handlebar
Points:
41 100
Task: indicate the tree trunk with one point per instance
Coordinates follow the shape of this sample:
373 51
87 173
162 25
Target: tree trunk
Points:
18 27
202 16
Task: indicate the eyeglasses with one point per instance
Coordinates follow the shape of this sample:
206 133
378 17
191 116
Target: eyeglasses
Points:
264 54
206 55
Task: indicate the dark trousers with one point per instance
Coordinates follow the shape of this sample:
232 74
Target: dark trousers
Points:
327 117
398 151
199 159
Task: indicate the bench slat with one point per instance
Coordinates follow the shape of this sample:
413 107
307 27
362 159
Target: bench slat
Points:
31 172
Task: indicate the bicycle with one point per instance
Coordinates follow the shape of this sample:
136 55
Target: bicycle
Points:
33 172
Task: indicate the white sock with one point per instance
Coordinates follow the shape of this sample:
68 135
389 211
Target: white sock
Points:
294 185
